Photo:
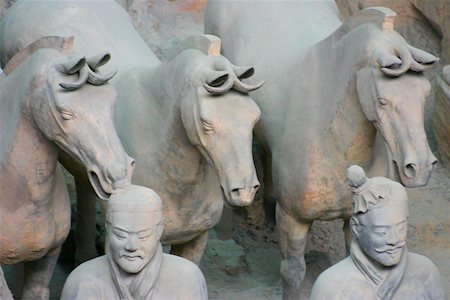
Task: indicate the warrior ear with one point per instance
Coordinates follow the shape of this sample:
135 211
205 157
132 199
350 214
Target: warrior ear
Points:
355 227
159 228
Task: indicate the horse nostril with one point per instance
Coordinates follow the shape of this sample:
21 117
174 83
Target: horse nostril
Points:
434 163
133 163
256 187
410 170
235 191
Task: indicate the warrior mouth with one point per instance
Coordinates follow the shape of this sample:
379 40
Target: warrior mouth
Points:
392 251
95 182
132 258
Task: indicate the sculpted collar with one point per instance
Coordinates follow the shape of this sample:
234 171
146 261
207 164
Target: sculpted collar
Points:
385 288
142 285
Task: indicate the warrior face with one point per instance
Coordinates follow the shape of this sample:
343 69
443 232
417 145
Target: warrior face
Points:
381 232
134 239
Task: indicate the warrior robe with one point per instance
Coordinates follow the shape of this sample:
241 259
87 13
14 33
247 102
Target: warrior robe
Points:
171 277
357 278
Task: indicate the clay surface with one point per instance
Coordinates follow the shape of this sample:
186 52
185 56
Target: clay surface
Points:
255 265
188 122
135 267
379 265
49 105
323 118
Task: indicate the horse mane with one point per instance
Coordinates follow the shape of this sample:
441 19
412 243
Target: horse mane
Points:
62 44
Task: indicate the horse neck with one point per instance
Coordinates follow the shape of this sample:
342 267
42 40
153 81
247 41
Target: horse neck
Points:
167 89
350 132
10 114
32 157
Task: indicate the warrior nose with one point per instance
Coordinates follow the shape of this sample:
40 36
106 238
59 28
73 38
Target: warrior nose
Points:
131 244
393 238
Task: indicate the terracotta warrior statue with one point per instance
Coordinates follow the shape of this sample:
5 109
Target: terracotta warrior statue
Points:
135 266
379 265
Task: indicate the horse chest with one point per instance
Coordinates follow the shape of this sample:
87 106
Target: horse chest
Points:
191 214
27 233
311 185
32 220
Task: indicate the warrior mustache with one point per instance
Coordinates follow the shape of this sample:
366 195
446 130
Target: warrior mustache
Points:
389 249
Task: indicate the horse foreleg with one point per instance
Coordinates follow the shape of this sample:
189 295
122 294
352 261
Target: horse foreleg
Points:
348 235
192 250
85 230
38 274
293 235
5 293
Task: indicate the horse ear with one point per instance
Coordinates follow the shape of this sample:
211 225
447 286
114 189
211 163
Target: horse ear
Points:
71 64
216 78
423 60
243 72
446 74
421 56
385 59
96 61
218 82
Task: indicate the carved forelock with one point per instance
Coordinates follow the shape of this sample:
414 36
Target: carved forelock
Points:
232 76
61 44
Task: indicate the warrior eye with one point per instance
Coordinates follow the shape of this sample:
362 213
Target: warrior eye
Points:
383 101
120 237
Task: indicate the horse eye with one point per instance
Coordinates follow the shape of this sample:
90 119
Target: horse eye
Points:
207 126
65 113
383 101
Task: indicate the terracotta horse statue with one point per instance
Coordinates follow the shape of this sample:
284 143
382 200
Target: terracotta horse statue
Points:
50 102
188 122
335 95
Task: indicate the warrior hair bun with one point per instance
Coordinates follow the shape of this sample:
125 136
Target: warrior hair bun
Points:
356 176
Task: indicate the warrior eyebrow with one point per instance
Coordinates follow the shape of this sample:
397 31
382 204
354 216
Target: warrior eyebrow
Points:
126 231
389 225
121 229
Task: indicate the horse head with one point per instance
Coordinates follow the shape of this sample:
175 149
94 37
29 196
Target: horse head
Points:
392 92
72 105
218 116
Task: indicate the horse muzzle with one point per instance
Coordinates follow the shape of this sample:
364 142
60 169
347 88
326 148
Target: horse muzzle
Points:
244 196
416 173
117 176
